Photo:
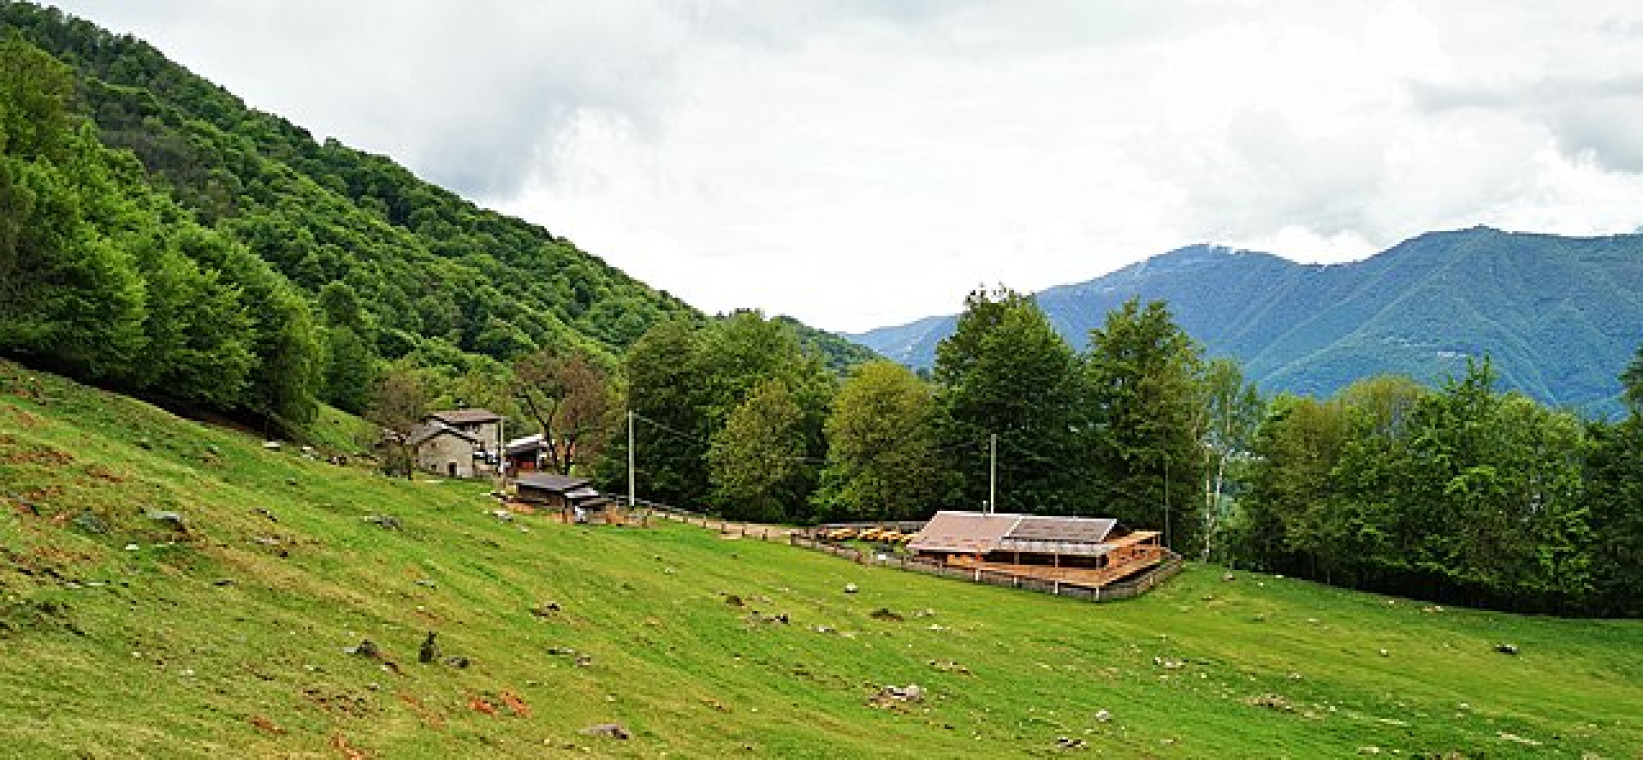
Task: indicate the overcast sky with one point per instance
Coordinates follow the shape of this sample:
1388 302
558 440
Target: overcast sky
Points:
857 164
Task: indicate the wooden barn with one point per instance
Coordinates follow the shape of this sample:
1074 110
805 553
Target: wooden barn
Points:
1089 551
571 495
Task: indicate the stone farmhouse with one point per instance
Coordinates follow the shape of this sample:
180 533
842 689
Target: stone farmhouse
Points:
463 443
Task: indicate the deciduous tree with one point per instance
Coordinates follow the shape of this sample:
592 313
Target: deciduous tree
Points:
1145 420
1005 371
882 461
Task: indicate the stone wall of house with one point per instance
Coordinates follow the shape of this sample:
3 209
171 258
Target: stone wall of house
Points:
490 434
437 454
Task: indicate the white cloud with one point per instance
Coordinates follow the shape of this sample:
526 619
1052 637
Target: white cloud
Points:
861 163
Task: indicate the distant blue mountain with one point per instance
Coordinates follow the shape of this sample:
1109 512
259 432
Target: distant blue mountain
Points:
1560 316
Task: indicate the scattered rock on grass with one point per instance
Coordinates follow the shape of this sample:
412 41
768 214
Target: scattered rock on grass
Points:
89 522
1272 702
948 666
609 730
851 588
1102 716
386 522
1506 648
366 648
1066 742
894 696
172 520
887 614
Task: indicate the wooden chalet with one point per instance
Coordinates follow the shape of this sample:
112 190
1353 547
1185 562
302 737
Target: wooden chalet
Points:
1082 550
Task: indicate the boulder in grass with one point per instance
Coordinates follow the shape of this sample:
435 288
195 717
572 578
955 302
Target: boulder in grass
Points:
173 520
609 730
1506 648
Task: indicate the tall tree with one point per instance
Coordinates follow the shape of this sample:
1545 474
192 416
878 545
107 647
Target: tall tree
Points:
399 401
757 458
1614 503
195 328
667 391
1295 448
569 397
1234 409
1146 418
1632 382
882 461
1005 371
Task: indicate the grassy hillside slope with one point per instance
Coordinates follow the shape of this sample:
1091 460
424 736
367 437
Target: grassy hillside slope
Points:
123 636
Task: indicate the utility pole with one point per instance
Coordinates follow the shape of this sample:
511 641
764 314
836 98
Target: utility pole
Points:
631 493
992 477
1166 499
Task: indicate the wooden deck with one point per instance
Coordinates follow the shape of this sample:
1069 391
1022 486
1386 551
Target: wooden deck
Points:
1122 563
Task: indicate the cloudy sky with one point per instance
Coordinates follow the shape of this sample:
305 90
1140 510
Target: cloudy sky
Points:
857 164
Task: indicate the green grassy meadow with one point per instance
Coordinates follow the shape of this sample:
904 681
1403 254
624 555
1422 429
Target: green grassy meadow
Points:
122 636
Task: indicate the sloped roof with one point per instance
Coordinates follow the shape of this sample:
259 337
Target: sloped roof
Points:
979 533
551 481
428 431
1074 529
968 532
533 442
465 416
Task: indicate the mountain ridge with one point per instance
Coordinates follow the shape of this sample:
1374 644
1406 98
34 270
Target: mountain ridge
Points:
1558 315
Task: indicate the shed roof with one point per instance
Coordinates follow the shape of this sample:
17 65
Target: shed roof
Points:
551 481
979 533
968 532
465 416
533 442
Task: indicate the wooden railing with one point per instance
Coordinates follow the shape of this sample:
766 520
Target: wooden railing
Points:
1164 564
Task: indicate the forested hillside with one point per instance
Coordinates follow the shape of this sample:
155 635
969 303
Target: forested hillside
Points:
1559 316
373 266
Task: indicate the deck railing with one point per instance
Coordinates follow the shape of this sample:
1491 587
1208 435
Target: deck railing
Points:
1169 563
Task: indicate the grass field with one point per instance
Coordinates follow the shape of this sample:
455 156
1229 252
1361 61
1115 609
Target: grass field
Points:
122 635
